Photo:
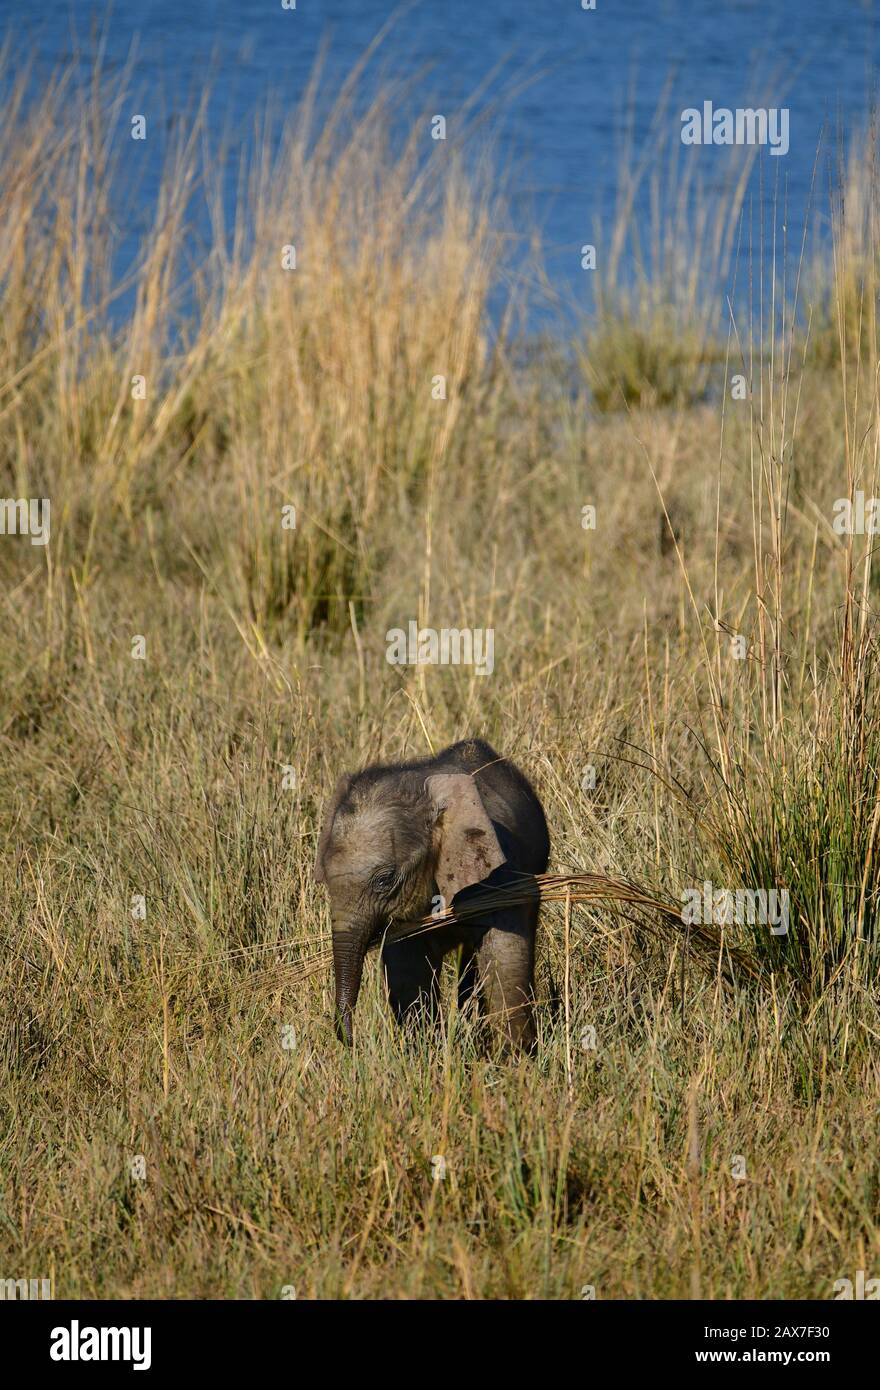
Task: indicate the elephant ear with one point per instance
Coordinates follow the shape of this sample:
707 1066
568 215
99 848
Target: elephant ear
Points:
341 791
468 848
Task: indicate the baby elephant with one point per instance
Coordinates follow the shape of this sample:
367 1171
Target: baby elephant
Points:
393 839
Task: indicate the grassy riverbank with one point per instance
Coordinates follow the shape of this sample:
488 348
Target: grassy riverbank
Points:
676 1134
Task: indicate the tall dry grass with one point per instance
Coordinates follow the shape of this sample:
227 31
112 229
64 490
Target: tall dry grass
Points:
668 255
194 779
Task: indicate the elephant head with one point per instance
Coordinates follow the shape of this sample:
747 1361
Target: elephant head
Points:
392 839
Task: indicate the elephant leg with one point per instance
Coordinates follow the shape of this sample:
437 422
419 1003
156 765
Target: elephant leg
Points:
467 975
506 967
412 975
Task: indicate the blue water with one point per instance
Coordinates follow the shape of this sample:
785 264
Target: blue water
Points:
563 79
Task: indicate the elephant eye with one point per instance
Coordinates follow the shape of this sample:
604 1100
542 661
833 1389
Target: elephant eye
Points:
385 881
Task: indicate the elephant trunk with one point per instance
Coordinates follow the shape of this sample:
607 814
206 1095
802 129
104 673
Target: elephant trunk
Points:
349 949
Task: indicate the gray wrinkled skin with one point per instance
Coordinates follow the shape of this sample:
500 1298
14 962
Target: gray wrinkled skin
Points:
394 839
